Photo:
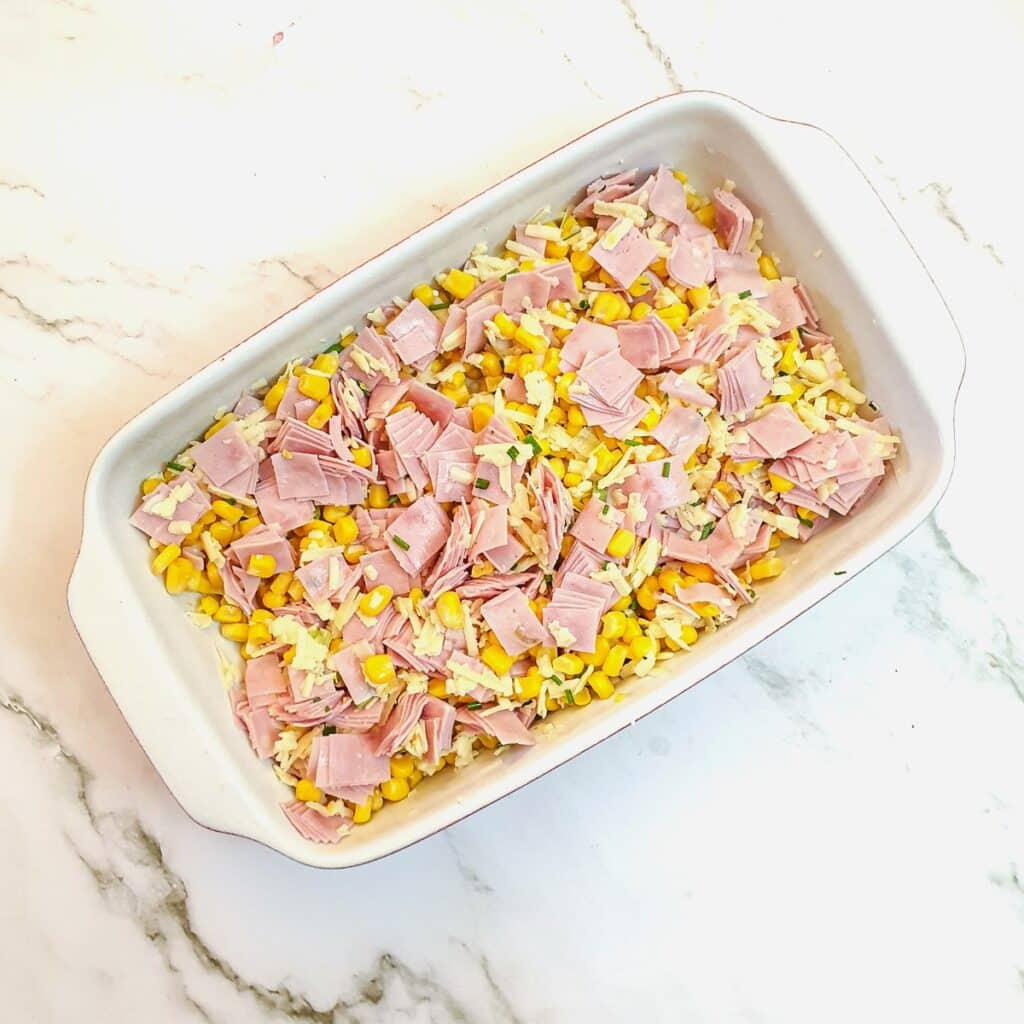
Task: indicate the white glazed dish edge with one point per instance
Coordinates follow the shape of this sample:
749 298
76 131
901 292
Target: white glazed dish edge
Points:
830 228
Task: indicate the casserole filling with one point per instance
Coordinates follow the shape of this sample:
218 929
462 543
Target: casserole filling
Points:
543 473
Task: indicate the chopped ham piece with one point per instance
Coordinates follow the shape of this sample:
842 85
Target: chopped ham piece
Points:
264 541
733 219
183 500
536 244
528 290
418 533
452 567
349 664
681 431
298 475
497 583
575 611
374 350
777 431
440 408
691 259
328 578
513 622
556 509
381 568
587 338
783 303
400 723
225 455
660 488
504 725
315 826
738 273
668 198
810 313
741 384
296 436
415 334
596 524
630 256
344 759
438 724
264 681
677 386
475 319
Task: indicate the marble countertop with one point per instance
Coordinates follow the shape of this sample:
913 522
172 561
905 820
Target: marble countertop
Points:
831 829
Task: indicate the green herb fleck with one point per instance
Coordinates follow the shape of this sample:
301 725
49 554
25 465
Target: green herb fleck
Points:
438 305
569 697
873 406
533 443
512 452
633 442
557 681
604 511
336 347
806 522
472 707
583 304
403 544
706 530
666 468
548 578
329 730
176 467
392 499
745 294
840 572
482 484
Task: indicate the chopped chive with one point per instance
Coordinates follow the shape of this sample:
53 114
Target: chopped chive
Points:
583 304
482 484
706 531
472 707
634 605
633 442
745 294
873 406
604 511
438 305
666 468
533 443
231 501
392 499
362 387
512 452
368 701
403 544
557 681
605 564
329 730
336 347
806 522
569 697
548 578
841 572
176 467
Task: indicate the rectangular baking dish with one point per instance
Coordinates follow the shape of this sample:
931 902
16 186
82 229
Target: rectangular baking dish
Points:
829 227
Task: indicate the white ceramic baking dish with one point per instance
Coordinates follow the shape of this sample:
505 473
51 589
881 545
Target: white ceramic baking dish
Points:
828 225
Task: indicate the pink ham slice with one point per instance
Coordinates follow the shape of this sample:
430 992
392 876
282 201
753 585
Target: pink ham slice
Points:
777 432
400 723
596 524
346 759
783 303
587 338
497 583
315 578
225 456
513 622
660 489
418 534
299 476
264 681
415 334
504 725
681 431
538 245
562 279
668 198
556 508
431 403
677 386
264 541
438 725
314 826
733 219
475 319
384 570
349 664
639 345
377 347
691 258
527 290
296 436
452 567
741 384
577 605
738 273
628 259
189 511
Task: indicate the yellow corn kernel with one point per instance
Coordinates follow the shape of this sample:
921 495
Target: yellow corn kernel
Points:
236 631
572 479
767 267
641 285
779 484
345 530
247 524
677 312
766 568
312 385
507 328
727 491
282 582
706 215
377 800
179 575
613 624
562 384
326 362
699 297
425 294
228 613
373 603
632 630
262 566
362 813
394 790
378 496
449 610
481 414
788 363
531 342
640 310
620 544
650 419
496 659
437 688
689 635
555 250
615 661
796 391
219 425
581 698
582 262
354 552
213 575
208 605
669 579
576 418
647 594
642 647
402 766
705 609
167 554
273 600
527 364
601 685
222 533
609 306
551 362
601 648
622 604
458 283
568 665
361 457
528 687
704 573
259 634
379 669
150 484
307 791
321 414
